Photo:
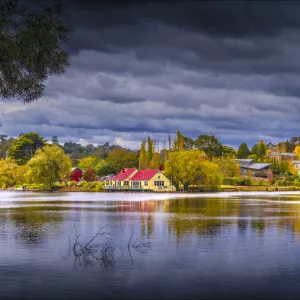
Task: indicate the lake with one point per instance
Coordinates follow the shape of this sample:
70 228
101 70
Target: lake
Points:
149 246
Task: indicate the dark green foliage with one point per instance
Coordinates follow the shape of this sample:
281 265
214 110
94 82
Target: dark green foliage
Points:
24 147
210 145
243 151
31 49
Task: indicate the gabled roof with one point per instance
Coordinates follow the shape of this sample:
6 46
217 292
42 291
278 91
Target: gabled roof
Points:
255 166
144 175
125 173
283 154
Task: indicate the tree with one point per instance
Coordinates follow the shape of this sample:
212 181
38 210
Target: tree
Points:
5 144
228 152
191 168
103 169
119 159
150 149
11 173
90 174
243 151
31 47
49 165
143 156
180 141
261 150
228 167
210 145
24 147
297 151
87 162
254 149
188 143
55 140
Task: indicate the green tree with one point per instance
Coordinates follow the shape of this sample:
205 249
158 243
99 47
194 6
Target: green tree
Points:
228 152
49 165
5 144
24 147
210 145
180 141
103 168
89 175
243 151
150 149
55 140
188 143
261 150
228 167
143 156
31 47
119 159
254 149
88 161
191 168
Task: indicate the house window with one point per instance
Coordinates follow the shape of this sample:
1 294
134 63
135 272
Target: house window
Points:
126 182
135 183
146 183
118 182
159 183
158 177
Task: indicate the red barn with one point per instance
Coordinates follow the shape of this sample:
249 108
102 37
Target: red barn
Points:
76 174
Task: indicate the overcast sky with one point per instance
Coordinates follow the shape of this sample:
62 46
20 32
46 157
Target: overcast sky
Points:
150 68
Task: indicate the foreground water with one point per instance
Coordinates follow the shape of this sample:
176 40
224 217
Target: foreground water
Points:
150 246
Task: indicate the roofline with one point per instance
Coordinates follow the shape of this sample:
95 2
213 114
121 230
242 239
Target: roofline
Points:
150 177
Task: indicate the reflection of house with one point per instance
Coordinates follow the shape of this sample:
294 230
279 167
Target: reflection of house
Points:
296 163
282 156
249 168
132 179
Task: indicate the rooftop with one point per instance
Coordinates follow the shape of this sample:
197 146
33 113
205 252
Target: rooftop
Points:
282 154
144 175
256 166
125 173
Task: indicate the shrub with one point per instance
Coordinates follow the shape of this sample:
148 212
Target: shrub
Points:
99 187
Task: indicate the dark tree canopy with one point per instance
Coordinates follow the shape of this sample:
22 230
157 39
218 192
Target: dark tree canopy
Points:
243 151
210 145
30 49
24 147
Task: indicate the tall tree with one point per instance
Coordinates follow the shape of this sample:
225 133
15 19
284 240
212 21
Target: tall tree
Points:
119 159
55 140
150 149
24 147
180 141
31 47
90 174
210 145
243 151
49 165
228 152
143 156
261 150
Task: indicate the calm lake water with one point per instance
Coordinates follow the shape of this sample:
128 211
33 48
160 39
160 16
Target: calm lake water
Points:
149 246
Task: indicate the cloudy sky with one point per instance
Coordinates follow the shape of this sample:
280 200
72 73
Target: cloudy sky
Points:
149 68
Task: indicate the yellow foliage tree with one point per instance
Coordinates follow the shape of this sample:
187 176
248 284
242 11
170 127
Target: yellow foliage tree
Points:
87 162
297 151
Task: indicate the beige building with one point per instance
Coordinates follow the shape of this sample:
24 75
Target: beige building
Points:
283 156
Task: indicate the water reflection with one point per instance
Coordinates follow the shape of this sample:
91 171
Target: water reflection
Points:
237 246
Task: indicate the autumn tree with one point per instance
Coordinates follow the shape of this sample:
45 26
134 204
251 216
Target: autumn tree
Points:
297 151
32 48
228 167
11 173
89 175
228 151
261 150
191 168
243 151
88 161
49 165
24 147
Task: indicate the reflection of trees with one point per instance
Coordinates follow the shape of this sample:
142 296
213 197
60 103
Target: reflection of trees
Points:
33 222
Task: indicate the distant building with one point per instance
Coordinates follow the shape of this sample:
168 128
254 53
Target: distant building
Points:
76 174
282 156
132 179
249 168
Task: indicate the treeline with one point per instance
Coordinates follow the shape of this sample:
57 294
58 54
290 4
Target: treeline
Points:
28 159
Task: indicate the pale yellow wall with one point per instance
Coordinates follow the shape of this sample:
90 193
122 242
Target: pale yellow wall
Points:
158 177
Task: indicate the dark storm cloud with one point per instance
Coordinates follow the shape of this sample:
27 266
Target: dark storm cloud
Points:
140 67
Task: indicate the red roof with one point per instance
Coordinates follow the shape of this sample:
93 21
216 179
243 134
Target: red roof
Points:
144 175
125 173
